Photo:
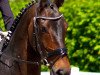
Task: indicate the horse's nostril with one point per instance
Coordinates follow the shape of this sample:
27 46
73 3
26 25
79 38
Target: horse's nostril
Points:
61 72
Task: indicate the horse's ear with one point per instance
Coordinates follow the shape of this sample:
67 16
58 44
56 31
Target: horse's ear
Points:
59 3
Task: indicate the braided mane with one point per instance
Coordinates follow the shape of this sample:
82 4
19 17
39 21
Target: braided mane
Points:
17 19
15 23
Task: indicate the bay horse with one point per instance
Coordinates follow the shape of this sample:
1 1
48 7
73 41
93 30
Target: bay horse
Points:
36 37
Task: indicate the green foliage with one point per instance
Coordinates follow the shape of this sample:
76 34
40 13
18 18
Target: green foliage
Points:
1 22
83 33
44 68
16 6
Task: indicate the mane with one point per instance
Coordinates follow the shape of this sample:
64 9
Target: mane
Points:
18 17
15 23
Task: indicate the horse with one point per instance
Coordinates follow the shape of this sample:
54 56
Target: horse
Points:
36 37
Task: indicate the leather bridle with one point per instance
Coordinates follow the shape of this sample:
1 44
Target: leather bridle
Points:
58 52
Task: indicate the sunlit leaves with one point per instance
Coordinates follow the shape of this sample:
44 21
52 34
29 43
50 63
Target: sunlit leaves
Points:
83 34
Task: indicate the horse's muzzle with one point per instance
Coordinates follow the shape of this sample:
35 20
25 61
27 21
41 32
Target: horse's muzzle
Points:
60 72
63 72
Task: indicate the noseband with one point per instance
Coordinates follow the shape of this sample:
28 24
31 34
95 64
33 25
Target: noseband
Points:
58 52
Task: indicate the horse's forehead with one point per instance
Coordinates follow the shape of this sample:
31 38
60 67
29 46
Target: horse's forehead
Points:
50 11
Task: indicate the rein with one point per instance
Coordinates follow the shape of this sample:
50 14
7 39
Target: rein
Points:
16 59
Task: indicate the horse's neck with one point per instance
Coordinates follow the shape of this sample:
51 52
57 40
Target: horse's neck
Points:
19 42
19 39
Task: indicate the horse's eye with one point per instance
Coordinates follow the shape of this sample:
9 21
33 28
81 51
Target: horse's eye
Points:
51 6
44 29
45 5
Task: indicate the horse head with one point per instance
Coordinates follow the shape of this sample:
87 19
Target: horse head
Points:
49 32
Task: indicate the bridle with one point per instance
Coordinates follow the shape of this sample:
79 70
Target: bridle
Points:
58 52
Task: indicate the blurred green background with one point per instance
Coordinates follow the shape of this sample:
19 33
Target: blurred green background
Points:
83 33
